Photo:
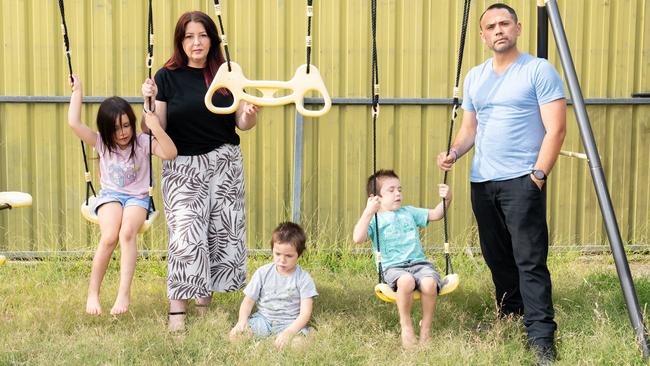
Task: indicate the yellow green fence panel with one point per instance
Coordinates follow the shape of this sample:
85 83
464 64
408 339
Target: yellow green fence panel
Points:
417 43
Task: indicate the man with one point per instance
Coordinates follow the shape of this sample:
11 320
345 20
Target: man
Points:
515 117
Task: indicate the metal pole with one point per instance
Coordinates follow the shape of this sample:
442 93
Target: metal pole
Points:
606 208
297 169
637 99
542 30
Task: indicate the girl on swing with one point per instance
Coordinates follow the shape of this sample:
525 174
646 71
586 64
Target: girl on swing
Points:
124 198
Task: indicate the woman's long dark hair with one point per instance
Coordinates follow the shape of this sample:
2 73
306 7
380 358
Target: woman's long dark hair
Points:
215 56
111 111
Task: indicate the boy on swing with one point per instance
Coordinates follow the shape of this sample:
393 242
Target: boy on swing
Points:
405 267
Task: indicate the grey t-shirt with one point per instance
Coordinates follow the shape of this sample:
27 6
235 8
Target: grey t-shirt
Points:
277 296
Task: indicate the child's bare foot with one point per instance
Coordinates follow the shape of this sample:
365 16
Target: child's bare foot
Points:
121 305
176 322
408 338
425 335
92 305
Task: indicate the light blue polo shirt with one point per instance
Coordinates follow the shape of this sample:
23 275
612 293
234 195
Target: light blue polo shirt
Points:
510 130
399 237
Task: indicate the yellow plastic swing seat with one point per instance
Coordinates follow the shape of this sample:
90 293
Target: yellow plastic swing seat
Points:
88 213
386 293
15 199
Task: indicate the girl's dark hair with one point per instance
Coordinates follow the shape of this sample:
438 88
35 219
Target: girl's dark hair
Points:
108 114
215 56
290 233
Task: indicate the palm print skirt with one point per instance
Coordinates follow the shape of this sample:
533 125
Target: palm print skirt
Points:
206 216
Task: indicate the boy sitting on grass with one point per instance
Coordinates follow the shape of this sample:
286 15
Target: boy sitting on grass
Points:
405 267
282 291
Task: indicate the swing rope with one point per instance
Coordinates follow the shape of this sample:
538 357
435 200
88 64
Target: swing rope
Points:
449 269
152 107
224 40
310 14
308 40
66 45
375 113
230 77
454 113
149 62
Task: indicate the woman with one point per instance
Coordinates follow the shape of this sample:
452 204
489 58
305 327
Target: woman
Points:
203 188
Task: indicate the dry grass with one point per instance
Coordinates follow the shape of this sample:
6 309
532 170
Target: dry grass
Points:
42 319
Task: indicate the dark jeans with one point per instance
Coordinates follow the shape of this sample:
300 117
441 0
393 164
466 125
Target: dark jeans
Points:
511 217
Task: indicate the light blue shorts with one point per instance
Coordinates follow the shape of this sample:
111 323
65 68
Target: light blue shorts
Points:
125 200
263 327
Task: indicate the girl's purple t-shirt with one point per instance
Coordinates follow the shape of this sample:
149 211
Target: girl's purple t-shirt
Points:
122 173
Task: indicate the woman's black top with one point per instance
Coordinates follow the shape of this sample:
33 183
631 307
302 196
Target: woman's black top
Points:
193 128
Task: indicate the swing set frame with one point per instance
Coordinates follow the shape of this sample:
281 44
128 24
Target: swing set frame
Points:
548 12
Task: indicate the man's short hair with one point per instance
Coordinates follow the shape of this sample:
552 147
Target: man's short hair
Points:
289 233
379 177
500 6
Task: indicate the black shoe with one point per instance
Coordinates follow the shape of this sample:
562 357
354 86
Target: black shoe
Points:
544 355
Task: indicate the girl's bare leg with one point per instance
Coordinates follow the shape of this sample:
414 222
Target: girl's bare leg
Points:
110 218
132 219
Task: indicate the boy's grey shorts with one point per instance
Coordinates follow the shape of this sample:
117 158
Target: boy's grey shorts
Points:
418 270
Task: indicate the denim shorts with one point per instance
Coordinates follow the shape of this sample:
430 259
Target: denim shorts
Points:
125 200
263 327
418 270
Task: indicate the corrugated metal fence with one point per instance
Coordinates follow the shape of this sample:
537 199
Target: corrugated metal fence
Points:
417 41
